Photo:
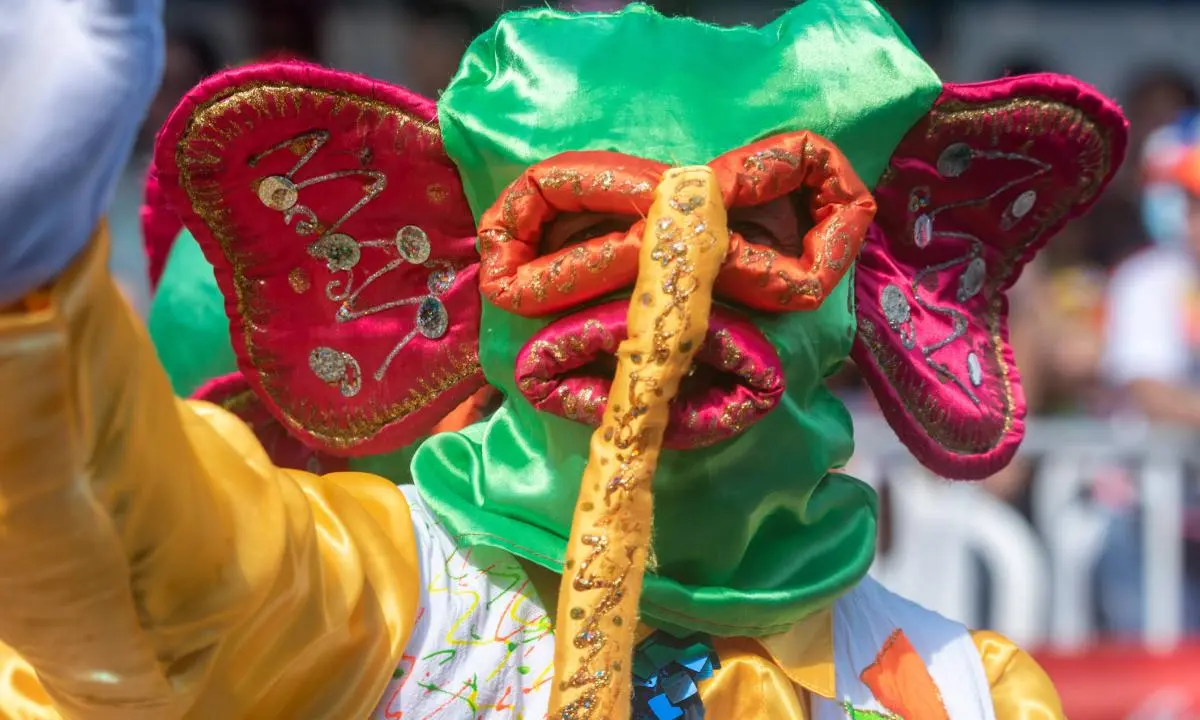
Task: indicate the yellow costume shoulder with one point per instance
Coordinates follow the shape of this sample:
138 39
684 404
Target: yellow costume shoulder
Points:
1021 690
155 564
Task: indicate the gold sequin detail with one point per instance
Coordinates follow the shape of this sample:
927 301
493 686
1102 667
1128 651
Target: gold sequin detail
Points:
570 345
298 279
582 406
735 361
437 193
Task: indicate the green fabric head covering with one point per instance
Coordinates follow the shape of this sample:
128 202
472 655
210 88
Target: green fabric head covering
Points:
753 533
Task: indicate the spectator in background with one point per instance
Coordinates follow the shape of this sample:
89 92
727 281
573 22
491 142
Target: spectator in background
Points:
1155 98
290 28
437 34
190 58
1153 358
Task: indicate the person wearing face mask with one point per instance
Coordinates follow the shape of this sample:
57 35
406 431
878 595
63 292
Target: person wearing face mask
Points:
1153 355
657 273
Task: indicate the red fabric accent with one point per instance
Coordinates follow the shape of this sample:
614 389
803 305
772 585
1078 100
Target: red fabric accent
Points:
1071 140
840 209
566 369
521 278
233 393
1117 681
323 279
160 226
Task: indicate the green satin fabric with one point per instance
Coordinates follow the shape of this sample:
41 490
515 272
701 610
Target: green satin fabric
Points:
676 90
750 535
187 320
753 534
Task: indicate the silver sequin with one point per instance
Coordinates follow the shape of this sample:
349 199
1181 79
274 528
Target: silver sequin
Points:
339 251
954 160
923 231
432 318
327 364
1024 203
895 306
899 315
278 192
413 244
1018 209
332 366
440 280
971 281
974 369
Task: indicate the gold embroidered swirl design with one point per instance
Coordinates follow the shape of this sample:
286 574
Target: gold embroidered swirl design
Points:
683 249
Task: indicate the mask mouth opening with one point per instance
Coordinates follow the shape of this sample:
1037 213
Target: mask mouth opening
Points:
736 378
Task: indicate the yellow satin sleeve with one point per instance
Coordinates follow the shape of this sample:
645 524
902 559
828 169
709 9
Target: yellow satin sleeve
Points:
753 684
154 563
1021 690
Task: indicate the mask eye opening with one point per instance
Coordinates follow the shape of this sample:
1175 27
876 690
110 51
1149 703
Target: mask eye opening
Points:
575 228
778 224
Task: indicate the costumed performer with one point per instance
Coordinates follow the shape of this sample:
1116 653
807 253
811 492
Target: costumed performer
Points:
657 270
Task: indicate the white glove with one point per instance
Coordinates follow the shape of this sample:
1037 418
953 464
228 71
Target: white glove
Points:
76 79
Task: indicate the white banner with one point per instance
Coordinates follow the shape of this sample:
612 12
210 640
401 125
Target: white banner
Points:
1042 573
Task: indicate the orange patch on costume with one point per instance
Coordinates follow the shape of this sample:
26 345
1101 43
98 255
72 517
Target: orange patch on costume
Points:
901 683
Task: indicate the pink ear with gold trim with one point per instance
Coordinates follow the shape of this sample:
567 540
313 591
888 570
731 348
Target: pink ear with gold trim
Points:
974 190
342 242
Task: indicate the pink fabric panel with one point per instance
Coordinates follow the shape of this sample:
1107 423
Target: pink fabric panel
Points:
160 226
974 190
343 243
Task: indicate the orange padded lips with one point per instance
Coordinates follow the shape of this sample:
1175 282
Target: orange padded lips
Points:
517 277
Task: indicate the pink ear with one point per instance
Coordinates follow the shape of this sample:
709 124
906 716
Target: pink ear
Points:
973 191
233 393
160 226
343 243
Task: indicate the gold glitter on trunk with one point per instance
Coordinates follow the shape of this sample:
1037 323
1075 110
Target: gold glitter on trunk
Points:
682 251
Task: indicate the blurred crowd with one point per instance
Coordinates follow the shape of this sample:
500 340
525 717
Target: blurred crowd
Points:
1105 322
